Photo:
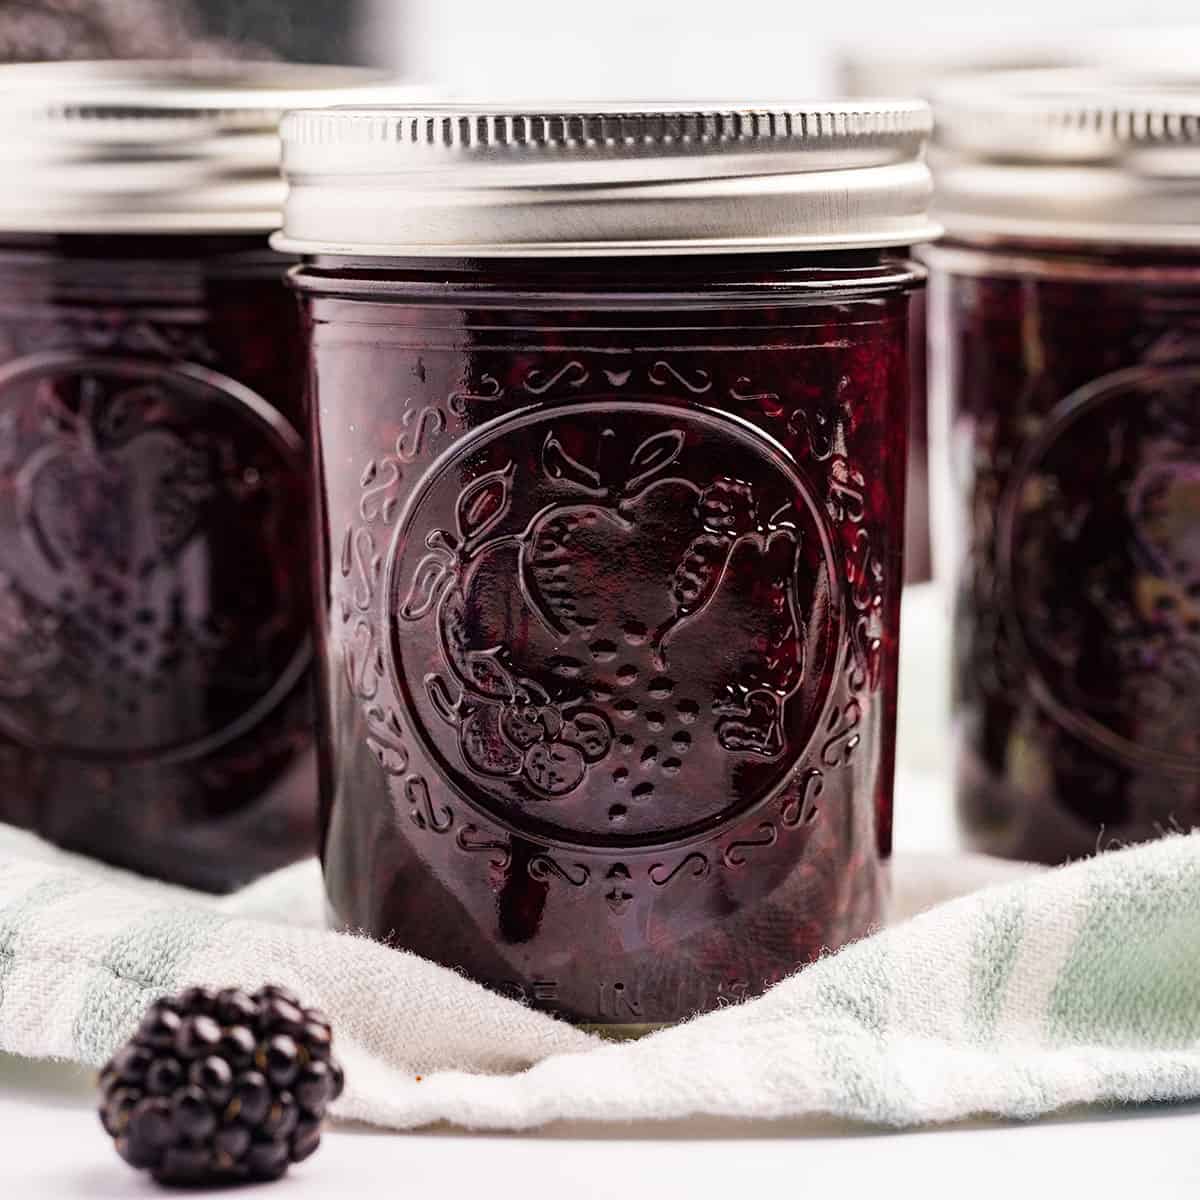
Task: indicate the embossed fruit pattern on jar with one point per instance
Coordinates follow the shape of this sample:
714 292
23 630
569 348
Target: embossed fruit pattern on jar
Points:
611 606
1073 384
154 614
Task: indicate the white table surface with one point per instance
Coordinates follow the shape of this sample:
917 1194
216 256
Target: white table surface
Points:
52 1146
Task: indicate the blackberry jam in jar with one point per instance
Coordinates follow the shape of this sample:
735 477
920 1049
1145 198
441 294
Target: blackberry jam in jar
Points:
609 414
155 621
1065 324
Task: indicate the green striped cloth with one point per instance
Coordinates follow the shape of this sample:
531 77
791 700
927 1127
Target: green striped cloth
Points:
1074 986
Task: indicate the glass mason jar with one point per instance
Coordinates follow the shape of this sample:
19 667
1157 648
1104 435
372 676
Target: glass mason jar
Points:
155 621
609 416
1065 326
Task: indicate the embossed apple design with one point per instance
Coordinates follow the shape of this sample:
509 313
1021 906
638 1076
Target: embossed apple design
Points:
1162 504
29 646
107 501
105 494
508 724
629 576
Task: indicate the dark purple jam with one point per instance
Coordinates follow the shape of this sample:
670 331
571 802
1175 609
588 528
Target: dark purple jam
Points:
612 565
1072 380
154 583
918 543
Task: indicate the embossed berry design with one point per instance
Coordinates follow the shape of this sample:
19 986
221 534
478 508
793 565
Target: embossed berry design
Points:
636 620
123 637
1116 656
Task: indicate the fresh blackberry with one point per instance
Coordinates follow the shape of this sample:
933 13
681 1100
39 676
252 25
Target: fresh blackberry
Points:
221 1086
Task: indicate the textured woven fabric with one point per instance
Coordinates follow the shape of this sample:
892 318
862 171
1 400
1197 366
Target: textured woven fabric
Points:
1058 988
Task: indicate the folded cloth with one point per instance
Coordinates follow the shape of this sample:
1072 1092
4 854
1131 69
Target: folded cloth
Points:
1076 985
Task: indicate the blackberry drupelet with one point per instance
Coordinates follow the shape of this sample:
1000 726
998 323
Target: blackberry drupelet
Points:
221 1086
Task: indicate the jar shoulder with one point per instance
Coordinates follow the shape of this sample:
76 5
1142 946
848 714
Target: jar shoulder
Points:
643 284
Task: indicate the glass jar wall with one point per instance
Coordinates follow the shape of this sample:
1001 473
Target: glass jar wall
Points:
1072 380
610 609
155 640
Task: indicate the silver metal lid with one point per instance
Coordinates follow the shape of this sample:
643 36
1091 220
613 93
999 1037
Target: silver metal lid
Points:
1070 155
464 181
148 147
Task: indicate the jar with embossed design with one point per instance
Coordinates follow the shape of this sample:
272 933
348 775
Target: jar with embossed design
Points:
1065 364
609 411
155 614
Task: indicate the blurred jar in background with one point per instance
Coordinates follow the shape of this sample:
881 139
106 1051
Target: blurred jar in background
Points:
1065 367
154 563
609 409
897 66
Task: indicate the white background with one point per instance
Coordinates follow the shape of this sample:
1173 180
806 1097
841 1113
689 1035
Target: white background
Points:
723 48
54 1149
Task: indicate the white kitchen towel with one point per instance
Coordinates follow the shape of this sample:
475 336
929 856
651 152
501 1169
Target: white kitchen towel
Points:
1061 987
